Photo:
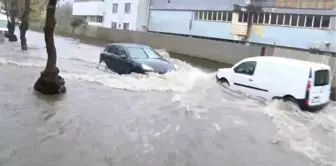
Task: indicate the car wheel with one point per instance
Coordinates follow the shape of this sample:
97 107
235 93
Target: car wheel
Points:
224 82
128 71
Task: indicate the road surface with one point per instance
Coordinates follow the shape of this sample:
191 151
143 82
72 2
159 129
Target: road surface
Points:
179 119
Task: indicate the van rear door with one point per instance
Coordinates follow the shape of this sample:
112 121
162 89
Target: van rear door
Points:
320 87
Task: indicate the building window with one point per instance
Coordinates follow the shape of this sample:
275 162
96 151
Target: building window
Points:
261 17
302 20
309 21
294 20
317 21
114 25
325 21
115 8
243 17
126 26
273 18
267 18
213 15
98 19
287 19
127 7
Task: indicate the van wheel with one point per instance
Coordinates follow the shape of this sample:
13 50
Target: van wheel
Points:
290 99
224 82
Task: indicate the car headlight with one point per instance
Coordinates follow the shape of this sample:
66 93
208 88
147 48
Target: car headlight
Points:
146 67
176 67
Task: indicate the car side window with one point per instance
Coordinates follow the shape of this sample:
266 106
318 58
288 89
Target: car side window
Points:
112 49
121 52
246 68
106 49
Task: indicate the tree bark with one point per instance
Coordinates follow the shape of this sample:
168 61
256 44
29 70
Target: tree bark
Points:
11 11
50 82
24 25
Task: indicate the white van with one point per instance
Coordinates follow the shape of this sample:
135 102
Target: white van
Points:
305 83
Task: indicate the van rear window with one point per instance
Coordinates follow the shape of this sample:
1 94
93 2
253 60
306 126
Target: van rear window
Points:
321 77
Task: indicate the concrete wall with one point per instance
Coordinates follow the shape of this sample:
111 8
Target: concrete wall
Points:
293 36
225 52
177 22
214 29
306 56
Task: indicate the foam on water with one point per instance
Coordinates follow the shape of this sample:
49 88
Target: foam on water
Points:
82 69
312 134
302 130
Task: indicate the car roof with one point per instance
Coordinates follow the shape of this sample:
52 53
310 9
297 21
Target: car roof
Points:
129 45
287 61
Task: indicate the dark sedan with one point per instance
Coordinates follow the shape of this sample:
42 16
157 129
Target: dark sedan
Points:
125 58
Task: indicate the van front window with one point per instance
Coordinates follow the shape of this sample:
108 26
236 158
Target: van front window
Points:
321 77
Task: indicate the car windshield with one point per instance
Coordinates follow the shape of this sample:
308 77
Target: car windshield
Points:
3 23
142 53
151 53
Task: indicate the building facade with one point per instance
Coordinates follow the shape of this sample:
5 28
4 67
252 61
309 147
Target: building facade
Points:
119 14
303 24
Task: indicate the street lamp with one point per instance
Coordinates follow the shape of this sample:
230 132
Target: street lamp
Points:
327 45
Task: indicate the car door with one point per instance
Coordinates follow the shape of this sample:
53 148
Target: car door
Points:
243 77
110 57
123 65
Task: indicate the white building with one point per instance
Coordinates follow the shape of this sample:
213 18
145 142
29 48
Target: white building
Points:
119 14
92 11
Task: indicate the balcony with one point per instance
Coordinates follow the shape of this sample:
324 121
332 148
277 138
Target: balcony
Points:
239 29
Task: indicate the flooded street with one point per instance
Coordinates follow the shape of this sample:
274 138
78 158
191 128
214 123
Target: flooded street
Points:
182 118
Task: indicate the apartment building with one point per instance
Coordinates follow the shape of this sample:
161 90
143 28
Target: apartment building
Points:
266 22
119 14
92 10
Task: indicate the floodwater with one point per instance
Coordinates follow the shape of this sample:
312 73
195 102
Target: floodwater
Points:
182 118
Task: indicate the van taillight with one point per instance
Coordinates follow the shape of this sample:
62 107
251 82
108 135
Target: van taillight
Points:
307 92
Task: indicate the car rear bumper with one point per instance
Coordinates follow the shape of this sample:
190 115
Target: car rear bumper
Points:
311 108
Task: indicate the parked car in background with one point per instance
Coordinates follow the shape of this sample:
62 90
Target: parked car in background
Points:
2 38
306 84
125 58
3 25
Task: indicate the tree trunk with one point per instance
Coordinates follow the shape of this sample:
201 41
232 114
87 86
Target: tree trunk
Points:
11 11
50 82
24 25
